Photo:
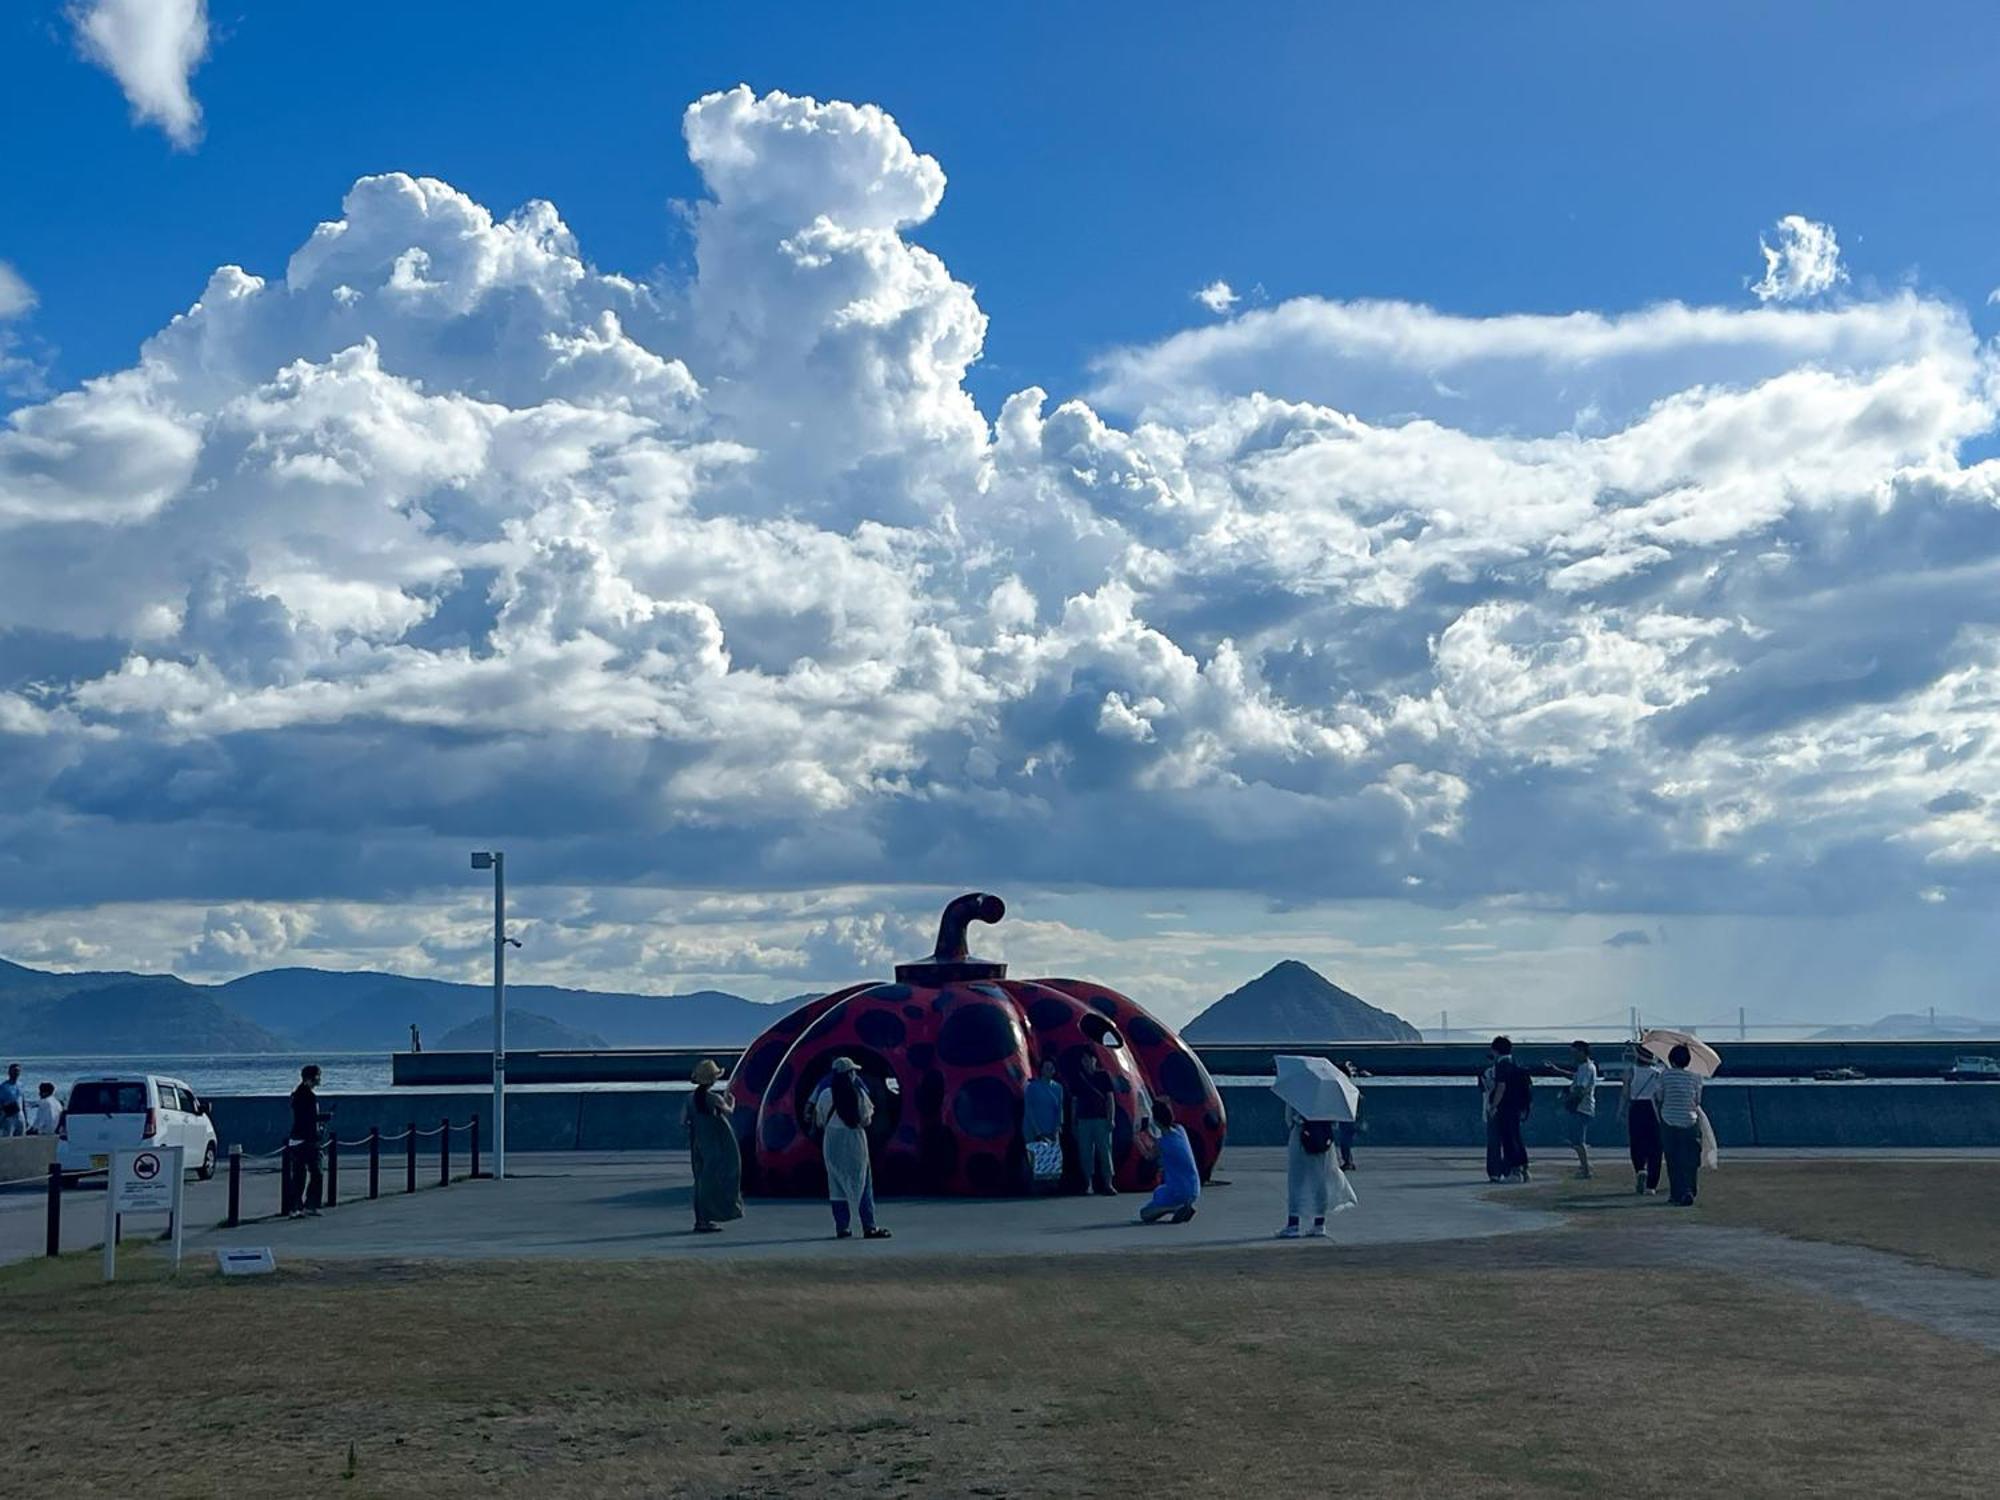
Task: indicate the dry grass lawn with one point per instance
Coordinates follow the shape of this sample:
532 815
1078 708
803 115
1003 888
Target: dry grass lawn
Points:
1946 1213
1203 1374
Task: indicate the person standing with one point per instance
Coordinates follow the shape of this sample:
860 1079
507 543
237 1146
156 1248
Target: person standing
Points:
1680 1126
1313 1184
1096 1098
13 1103
45 1117
1512 1095
1041 1127
1180 1179
302 1185
1344 1130
1639 1106
1580 1103
713 1154
843 1114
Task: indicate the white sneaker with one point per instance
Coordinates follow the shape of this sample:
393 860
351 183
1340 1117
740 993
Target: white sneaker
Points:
1317 1232
1289 1232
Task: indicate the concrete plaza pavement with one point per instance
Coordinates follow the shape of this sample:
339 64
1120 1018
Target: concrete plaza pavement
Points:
632 1205
635 1205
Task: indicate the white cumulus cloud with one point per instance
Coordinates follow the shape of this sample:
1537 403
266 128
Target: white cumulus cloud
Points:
151 47
442 532
1804 263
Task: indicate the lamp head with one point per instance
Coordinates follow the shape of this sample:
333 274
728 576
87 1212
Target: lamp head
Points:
482 861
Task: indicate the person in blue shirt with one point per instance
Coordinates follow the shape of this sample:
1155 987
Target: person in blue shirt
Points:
1180 1180
1041 1128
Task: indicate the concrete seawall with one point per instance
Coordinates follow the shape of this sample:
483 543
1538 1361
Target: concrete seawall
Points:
1857 1116
1790 1060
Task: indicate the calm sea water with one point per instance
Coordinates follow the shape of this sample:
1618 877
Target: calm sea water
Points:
242 1073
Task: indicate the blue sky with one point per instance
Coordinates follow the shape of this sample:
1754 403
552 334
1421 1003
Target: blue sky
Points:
768 509
1104 159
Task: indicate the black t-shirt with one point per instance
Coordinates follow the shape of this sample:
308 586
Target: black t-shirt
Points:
1093 1096
1515 1085
305 1113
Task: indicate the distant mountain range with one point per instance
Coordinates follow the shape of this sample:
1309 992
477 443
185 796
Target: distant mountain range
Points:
1913 1028
290 1010
1292 1002
323 1010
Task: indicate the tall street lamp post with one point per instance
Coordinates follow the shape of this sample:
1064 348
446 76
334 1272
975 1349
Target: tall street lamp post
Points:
495 861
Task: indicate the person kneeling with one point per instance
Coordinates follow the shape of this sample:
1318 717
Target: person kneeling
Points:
1180 1181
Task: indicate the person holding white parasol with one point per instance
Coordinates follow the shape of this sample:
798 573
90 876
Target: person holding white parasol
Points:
1317 1096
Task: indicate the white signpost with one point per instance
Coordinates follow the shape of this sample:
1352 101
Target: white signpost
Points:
146 1181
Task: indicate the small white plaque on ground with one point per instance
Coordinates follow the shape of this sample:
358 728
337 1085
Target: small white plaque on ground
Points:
246 1262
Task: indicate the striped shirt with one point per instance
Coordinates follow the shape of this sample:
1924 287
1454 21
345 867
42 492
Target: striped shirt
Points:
1680 1097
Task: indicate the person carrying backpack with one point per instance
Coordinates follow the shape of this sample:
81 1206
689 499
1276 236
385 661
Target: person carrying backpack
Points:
1313 1181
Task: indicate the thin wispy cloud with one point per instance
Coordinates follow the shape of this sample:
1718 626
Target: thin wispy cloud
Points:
1804 263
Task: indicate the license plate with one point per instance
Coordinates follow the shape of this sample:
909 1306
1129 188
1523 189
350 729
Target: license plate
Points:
100 1161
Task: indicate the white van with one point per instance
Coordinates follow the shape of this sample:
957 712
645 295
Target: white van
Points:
128 1110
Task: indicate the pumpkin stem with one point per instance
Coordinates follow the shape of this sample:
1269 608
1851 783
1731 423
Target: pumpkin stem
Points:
974 906
951 961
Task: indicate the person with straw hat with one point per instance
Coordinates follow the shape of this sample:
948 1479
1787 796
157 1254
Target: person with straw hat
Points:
712 1152
842 1113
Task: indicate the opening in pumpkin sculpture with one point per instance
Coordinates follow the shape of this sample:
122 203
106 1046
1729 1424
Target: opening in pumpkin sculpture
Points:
947 1049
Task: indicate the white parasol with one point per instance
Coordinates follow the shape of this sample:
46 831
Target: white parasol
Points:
1316 1088
1702 1058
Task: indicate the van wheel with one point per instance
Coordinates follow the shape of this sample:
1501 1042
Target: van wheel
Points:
207 1168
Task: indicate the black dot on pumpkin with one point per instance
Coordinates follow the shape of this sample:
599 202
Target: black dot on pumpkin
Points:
1181 1077
938 1155
896 994
984 1109
1124 1085
1145 1031
881 1029
914 1012
974 1035
991 991
985 1172
1212 1120
1049 1013
781 1081
779 1132
1104 1005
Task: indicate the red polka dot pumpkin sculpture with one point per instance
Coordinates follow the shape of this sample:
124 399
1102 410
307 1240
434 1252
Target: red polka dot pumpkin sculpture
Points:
946 1051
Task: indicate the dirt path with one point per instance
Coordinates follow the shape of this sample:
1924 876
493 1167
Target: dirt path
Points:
1960 1304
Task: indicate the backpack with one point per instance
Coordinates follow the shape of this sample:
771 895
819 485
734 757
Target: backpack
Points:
1316 1137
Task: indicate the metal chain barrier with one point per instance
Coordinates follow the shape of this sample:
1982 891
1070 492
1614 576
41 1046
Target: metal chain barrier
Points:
409 1135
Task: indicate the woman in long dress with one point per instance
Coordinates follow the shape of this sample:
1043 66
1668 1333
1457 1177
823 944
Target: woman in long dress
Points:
1314 1184
712 1151
843 1112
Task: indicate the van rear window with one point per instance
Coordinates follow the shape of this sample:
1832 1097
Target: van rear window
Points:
108 1099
